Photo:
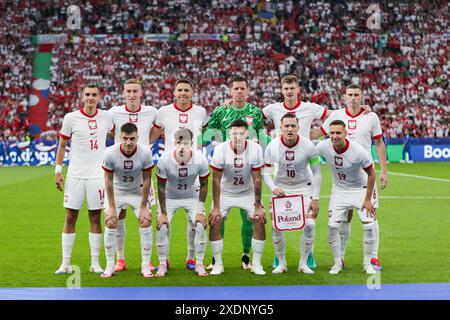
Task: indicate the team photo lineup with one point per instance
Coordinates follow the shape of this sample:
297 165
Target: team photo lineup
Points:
239 167
271 149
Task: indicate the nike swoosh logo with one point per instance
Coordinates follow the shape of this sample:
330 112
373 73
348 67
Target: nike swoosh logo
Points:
108 247
92 133
350 134
146 249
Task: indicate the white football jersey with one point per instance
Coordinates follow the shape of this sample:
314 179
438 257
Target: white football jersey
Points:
88 142
362 128
306 113
143 118
346 166
127 169
292 162
236 168
170 118
182 182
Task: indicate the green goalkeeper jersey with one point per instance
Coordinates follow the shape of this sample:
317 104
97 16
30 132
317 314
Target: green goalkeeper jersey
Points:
222 117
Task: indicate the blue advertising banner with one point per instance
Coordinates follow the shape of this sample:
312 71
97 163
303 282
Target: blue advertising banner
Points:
429 152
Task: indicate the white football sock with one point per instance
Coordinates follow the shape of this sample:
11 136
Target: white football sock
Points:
200 243
110 245
190 231
307 240
162 244
377 238
68 239
344 234
217 248
95 242
334 241
257 247
369 242
120 237
279 243
146 235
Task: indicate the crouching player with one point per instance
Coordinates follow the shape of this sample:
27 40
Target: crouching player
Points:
177 173
292 154
236 163
128 170
349 164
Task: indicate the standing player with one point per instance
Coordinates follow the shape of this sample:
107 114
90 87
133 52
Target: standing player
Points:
219 123
87 129
143 117
178 173
362 127
352 187
306 113
181 114
236 164
128 173
292 154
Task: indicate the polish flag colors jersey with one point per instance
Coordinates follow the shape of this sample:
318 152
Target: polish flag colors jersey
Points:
182 177
88 142
236 168
306 113
362 128
143 118
170 118
127 169
292 162
346 166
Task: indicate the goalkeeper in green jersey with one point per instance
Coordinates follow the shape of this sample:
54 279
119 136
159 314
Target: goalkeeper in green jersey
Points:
218 126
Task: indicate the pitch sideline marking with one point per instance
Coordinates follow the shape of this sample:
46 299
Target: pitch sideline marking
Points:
416 176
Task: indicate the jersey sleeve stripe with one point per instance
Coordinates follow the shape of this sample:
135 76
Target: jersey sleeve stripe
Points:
205 177
323 131
64 136
258 168
149 168
377 137
216 169
161 178
267 165
324 114
107 170
371 165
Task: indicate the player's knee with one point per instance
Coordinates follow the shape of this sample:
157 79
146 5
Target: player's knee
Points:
333 235
122 214
200 227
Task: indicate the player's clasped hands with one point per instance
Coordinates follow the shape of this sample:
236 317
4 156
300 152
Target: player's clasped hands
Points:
278 192
145 217
314 208
260 215
215 216
111 218
59 181
162 219
370 210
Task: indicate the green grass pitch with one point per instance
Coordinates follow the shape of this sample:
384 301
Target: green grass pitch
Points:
414 217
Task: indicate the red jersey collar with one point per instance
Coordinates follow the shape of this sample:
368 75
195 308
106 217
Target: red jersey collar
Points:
296 141
176 107
294 107
347 111
347 144
86 115
234 149
128 156
181 163
128 110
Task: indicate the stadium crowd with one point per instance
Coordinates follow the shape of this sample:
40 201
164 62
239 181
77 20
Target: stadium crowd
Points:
403 68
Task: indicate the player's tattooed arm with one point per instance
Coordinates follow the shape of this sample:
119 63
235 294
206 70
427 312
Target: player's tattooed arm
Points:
203 189
110 214
162 195
259 208
155 133
145 215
